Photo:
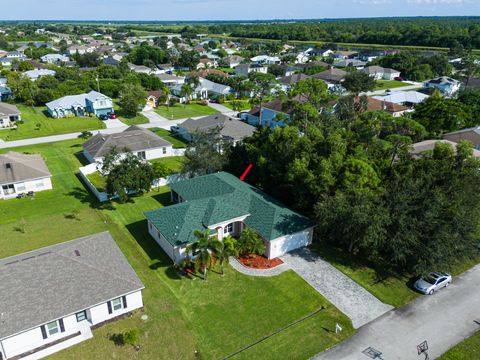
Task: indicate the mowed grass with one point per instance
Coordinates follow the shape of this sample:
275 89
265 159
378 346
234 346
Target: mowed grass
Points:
393 290
215 317
129 119
466 350
98 181
181 111
389 84
174 163
48 126
244 105
177 142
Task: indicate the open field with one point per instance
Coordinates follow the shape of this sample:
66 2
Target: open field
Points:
181 111
32 116
186 314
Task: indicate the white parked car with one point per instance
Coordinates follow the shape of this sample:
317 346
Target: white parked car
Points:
432 282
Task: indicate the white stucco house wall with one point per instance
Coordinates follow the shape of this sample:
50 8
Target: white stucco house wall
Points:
23 173
51 297
224 205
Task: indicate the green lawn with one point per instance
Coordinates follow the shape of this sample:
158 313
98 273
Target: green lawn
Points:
98 181
128 119
177 142
48 126
174 163
393 290
389 84
466 350
181 111
245 105
214 318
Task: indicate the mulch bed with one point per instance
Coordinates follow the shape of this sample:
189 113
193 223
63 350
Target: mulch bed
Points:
259 262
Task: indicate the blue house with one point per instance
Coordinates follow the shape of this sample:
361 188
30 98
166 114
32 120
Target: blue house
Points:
80 105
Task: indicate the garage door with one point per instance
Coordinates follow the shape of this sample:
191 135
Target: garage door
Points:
288 243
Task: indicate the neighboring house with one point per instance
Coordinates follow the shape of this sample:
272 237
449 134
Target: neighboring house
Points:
233 61
5 93
231 129
224 205
80 105
318 52
21 173
344 54
287 82
54 58
153 98
36 74
446 85
5 61
80 49
380 73
268 114
245 69
331 76
358 64
141 69
171 80
406 98
471 134
265 60
141 142
9 114
16 55
419 148
369 56
51 297
394 109
165 68
110 61
207 63
206 90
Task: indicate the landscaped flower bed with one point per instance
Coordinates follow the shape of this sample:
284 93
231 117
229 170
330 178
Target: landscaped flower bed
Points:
259 262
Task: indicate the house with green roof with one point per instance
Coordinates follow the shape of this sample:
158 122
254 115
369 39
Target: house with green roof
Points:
226 205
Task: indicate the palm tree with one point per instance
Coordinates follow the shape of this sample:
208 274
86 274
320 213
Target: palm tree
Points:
251 242
224 249
204 249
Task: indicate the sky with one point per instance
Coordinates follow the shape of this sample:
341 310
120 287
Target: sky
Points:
228 9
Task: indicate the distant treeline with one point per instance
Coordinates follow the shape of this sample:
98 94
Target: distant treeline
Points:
449 32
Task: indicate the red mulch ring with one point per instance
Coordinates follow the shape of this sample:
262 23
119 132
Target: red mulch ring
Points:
259 262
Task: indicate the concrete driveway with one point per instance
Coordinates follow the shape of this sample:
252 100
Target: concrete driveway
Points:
349 297
443 320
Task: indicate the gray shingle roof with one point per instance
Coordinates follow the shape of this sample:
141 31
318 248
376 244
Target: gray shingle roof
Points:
8 109
52 282
134 138
15 167
230 127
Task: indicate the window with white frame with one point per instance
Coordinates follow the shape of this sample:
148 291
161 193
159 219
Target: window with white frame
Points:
117 304
164 150
53 328
228 229
82 315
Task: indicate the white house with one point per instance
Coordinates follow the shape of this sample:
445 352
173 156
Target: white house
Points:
265 60
245 69
142 142
38 73
406 98
51 297
224 205
381 73
446 85
9 114
80 105
54 58
22 173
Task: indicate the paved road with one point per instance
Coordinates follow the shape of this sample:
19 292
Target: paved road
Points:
443 319
415 85
352 299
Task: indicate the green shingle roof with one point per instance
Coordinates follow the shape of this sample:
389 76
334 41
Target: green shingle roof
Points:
216 198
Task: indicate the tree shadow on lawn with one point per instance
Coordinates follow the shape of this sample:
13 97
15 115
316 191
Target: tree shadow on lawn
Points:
85 197
163 198
139 231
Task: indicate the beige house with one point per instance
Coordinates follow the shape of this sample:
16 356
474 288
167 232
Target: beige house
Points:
9 114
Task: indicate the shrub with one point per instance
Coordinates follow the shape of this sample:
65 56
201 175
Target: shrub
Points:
130 337
250 242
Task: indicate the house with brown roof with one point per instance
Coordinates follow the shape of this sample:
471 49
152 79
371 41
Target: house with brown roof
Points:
153 98
332 76
23 173
395 109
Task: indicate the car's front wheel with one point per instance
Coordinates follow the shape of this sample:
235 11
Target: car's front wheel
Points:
431 292
446 285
